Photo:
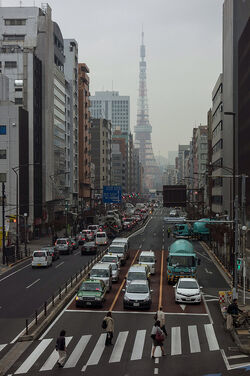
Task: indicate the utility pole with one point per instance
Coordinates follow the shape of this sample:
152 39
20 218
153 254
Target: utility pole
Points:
3 221
236 245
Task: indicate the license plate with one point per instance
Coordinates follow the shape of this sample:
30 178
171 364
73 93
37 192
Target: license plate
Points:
136 304
88 303
188 298
38 264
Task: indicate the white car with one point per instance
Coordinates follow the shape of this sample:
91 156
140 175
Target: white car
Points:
101 238
41 257
187 290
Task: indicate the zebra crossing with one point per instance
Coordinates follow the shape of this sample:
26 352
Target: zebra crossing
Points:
89 350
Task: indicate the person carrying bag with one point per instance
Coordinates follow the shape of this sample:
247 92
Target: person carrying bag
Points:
158 337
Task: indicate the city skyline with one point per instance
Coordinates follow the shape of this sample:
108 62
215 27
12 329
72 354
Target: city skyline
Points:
183 54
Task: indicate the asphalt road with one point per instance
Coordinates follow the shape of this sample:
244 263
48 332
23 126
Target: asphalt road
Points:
197 343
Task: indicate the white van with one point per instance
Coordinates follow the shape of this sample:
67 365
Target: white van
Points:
148 258
119 241
41 257
101 238
102 271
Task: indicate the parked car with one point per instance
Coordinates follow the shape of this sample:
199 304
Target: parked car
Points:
55 254
101 238
187 290
89 248
63 245
41 257
137 295
91 293
102 271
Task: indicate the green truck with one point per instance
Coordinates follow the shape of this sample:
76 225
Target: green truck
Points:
182 261
198 230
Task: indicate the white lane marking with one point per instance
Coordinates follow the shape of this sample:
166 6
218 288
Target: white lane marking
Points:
193 339
157 360
237 356
97 352
33 283
176 341
2 346
207 309
211 338
53 358
77 352
138 345
118 348
137 313
9 275
77 253
57 266
210 296
29 362
225 359
183 306
156 370
212 300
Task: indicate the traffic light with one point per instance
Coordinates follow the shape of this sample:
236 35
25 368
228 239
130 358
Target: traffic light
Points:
239 264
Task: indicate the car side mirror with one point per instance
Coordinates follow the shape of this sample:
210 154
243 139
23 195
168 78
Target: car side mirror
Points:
123 290
201 287
151 290
174 286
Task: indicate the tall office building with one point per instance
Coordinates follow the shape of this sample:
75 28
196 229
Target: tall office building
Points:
111 106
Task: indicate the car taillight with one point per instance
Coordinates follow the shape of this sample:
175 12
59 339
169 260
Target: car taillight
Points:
55 243
67 243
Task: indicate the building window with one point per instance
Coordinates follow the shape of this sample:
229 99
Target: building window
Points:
2 153
14 37
14 21
10 64
2 129
18 100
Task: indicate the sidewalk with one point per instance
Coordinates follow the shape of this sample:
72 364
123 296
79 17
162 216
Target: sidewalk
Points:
32 245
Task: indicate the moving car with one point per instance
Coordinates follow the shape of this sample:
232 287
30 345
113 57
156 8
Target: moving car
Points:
148 258
89 248
41 257
74 242
136 272
119 250
101 238
111 258
93 228
102 271
54 253
187 290
91 293
137 295
63 245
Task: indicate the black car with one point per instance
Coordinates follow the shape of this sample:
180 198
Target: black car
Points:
53 252
89 248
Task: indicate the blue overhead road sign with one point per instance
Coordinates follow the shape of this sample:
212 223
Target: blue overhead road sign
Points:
112 194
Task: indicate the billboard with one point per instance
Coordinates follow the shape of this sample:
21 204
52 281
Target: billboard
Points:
174 195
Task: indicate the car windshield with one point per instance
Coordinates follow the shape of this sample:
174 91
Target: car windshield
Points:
109 259
39 254
188 285
90 287
147 259
116 249
188 261
61 241
137 289
99 273
136 275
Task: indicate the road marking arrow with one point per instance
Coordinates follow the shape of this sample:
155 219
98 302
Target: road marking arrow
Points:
207 271
183 306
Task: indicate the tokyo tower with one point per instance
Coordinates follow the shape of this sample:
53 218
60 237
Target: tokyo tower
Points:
143 128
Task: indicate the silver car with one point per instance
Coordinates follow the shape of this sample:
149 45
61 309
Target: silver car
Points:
63 245
137 295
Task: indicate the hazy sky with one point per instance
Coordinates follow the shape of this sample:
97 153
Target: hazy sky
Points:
183 41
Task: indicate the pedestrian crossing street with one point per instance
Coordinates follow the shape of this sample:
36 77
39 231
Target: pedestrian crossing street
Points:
90 350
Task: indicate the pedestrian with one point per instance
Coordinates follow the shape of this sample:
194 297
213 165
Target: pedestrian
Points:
233 312
169 231
61 348
109 328
160 315
158 338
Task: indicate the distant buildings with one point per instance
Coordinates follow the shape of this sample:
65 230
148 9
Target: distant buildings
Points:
111 106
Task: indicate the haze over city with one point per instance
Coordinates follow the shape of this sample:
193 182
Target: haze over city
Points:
183 55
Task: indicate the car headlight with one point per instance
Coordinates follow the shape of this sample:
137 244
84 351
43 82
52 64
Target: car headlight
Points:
146 299
98 298
126 298
77 298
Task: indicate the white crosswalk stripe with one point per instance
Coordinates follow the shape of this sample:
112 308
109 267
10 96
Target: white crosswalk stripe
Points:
183 339
2 346
51 361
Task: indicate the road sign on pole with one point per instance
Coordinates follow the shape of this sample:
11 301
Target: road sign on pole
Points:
112 194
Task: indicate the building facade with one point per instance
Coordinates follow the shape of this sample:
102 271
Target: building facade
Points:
111 106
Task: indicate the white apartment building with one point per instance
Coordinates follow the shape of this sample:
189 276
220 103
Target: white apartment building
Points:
111 106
